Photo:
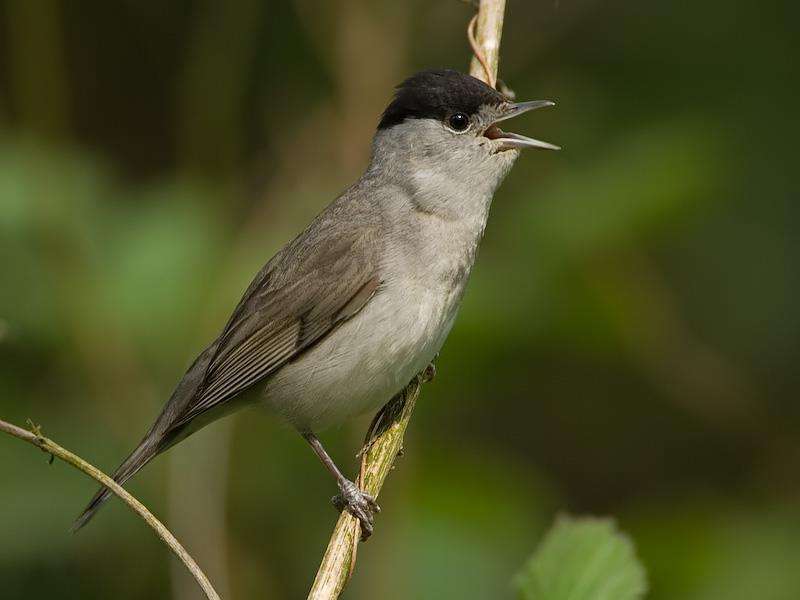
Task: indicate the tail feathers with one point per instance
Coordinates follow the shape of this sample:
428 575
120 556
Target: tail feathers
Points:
142 455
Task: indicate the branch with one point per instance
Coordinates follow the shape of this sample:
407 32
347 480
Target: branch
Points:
378 455
377 459
484 33
36 438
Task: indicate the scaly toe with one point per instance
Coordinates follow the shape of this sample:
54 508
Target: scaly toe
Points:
359 504
371 503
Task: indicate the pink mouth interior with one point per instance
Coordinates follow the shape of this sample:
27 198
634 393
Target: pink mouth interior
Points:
493 132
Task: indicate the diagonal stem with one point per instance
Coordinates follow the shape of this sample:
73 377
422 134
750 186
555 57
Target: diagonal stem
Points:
379 453
376 462
36 438
486 47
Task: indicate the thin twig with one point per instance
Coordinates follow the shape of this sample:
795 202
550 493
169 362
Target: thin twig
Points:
485 40
35 437
376 462
380 451
476 51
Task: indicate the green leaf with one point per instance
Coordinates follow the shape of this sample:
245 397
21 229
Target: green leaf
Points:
583 559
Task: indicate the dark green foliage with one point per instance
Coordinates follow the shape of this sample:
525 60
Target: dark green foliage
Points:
628 345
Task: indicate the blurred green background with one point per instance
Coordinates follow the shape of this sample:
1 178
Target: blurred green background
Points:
628 345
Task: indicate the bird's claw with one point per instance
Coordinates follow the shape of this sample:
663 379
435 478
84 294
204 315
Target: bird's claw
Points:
429 373
358 503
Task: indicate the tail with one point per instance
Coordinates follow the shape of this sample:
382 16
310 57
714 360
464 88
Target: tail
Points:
162 435
147 449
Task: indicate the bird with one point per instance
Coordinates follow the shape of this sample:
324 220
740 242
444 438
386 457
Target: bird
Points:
346 314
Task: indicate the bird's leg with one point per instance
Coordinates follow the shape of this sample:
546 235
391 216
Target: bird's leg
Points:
350 498
430 371
382 419
387 414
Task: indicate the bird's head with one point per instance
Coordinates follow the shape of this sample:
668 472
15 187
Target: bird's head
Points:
446 121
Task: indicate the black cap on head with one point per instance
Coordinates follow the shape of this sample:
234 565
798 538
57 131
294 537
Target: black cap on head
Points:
437 94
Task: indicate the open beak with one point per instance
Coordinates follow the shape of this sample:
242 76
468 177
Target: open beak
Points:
510 141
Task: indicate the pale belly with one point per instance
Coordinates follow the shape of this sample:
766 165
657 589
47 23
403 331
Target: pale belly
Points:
367 360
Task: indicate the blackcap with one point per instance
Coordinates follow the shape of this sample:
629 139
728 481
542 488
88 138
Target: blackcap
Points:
347 313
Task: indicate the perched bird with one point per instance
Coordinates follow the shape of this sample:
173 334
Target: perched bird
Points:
347 313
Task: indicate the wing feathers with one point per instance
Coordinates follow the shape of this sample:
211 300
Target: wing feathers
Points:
243 369
282 314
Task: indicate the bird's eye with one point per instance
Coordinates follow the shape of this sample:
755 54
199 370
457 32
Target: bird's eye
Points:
458 121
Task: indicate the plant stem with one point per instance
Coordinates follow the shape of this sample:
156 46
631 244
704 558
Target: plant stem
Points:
378 455
488 31
377 459
36 438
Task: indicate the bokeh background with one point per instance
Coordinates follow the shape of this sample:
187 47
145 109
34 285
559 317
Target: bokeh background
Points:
628 345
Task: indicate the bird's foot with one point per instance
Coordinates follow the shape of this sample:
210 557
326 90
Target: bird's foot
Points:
430 372
358 503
